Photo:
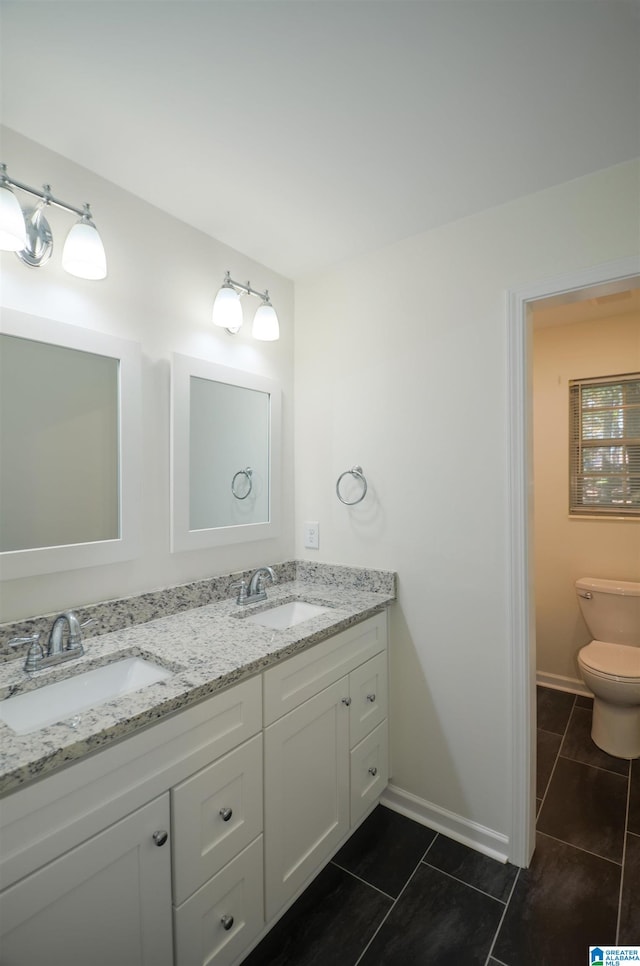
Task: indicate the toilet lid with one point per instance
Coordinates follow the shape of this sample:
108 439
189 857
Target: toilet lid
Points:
615 659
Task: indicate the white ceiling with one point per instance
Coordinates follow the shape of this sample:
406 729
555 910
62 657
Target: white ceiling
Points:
585 306
303 132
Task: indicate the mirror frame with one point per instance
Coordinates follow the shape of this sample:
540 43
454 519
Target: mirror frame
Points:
182 538
45 560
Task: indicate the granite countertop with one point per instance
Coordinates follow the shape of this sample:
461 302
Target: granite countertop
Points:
207 649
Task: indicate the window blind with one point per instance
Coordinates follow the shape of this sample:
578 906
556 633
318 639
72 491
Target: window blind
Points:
604 445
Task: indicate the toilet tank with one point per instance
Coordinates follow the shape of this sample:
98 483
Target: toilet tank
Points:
611 609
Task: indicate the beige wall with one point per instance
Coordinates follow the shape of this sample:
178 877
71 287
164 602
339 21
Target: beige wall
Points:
401 366
568 548
163 277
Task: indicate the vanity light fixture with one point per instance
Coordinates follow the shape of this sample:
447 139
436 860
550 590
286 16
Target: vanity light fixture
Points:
27 233
227 310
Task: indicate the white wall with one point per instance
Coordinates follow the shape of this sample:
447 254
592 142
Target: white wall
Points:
163 277
567 548
400 364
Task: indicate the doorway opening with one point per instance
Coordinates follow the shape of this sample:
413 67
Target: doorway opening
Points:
599 282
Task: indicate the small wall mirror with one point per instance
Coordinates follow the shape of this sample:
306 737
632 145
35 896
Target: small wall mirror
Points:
225 455
69 470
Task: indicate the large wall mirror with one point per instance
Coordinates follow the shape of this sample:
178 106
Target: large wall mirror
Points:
225 446
70 440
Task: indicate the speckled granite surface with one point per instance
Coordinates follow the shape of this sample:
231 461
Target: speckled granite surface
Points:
113 615
207 648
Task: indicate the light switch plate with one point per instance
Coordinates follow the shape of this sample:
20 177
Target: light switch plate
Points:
312 535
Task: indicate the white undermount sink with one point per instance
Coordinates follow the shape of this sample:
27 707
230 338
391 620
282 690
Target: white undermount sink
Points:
287 615
33 710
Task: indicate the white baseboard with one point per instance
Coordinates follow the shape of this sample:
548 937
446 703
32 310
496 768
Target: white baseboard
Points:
560 683
456 827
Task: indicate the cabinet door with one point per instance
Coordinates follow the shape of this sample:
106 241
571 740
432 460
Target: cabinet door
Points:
106 902
368 690
306 791
215 814
222 918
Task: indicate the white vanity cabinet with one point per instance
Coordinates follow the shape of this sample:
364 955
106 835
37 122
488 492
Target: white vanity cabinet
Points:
153 851
86 854
326 759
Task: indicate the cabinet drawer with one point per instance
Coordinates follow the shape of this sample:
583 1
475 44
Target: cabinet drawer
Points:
223 917
298 678
369 771
368 691
215 814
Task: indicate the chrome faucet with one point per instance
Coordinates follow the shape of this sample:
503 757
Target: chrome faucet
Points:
255 591
55 652
74 641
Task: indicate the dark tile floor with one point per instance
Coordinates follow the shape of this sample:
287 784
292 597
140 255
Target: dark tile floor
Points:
399 894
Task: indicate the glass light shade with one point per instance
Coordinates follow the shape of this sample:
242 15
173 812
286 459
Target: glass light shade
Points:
265 323
13 232
227 310
83 253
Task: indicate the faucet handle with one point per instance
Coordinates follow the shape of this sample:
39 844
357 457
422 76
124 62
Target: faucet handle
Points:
17 641
74 642
263 573
242 592
35 653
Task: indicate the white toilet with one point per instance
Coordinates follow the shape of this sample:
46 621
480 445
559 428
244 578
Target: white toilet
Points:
610 664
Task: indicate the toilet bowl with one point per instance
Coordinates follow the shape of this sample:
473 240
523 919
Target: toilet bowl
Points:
610 664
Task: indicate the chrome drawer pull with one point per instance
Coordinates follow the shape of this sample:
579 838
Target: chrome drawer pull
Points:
227 922
226 814
346 701
373 771
371 698
160 837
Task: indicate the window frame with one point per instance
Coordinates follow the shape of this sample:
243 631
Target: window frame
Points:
578 444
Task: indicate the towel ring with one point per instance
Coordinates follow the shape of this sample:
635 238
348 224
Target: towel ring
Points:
248 473
356 472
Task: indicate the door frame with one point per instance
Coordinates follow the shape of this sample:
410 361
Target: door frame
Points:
612 276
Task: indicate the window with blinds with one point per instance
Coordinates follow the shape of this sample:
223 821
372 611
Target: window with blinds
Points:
604 445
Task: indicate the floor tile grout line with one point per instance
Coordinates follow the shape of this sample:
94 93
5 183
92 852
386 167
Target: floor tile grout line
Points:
624 854
578 848
381 891
430 846
395 902
502 918
556 734
462 882
555 764
359 878
590 764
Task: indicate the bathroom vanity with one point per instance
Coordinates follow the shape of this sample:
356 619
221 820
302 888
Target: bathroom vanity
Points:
195 811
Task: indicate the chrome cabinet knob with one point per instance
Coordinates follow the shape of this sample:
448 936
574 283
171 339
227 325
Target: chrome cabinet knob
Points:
160 837
226 813
371 698
373 771
346 701
227 922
